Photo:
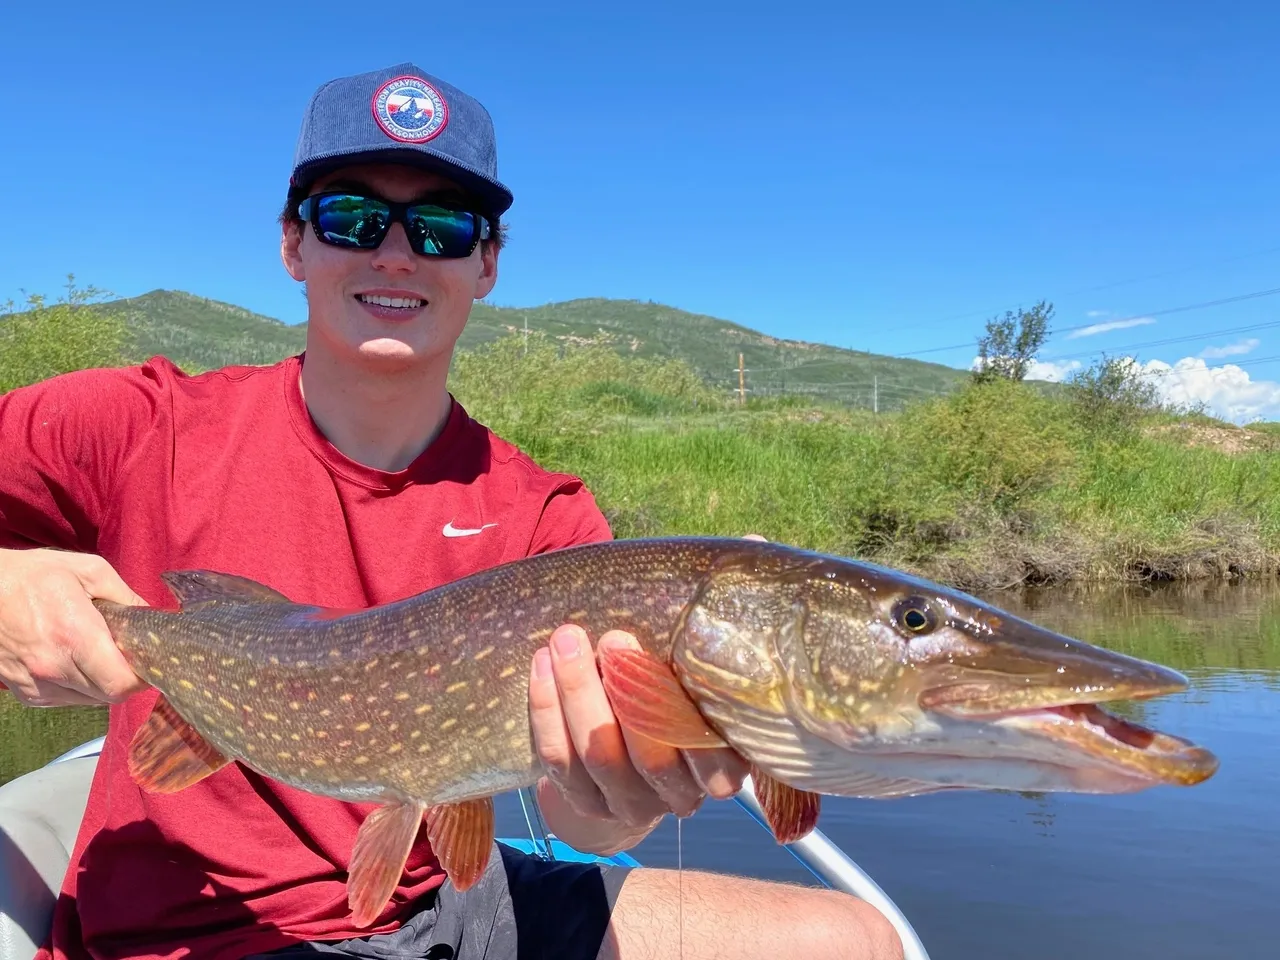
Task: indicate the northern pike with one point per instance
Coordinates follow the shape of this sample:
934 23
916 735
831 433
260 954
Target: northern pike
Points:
828 675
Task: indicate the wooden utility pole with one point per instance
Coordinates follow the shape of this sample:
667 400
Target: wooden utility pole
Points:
742 383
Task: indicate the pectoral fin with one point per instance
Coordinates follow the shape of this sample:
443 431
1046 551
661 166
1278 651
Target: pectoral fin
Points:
791 813
462 836
377 862
167 754
648 699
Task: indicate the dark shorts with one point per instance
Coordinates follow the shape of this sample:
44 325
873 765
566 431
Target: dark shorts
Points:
522 908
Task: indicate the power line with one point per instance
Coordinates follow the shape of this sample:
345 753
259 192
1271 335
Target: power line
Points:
1159 343
1102 286
1137 316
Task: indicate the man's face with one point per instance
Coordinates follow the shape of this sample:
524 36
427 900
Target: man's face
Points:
338 279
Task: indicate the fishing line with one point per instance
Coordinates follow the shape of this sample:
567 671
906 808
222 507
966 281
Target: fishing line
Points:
680 882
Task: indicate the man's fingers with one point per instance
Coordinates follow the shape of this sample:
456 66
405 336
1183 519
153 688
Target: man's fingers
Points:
555 746
101 581
594 730
721 772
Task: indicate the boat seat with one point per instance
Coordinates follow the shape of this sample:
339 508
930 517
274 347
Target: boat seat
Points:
40 814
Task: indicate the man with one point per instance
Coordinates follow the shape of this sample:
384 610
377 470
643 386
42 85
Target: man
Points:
348 477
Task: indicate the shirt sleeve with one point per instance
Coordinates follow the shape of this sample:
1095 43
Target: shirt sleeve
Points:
63 443
570 517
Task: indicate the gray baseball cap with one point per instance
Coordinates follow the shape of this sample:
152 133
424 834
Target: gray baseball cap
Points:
402 114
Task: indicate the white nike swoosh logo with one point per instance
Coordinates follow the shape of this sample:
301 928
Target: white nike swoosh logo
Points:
450 530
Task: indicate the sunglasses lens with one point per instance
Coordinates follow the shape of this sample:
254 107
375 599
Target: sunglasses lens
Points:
435 231
349 221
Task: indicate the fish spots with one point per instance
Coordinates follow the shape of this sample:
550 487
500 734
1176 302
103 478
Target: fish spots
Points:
422 651
422 708
175 661
509 726
546 609
362 726
322 734
481 732
270 716
312 696
235 687
395 748
402 695
155 671
283 755
371 698
506 672
152 637
347 697
619 613
493 703
226 704
319 762
415 735
456 686
488 650
448 724
186 684
295 705
435 668
326 712
458 639
469 707
371 664
335 653
361 760
226 661
577 615
868 686
424 748
273 660
208 694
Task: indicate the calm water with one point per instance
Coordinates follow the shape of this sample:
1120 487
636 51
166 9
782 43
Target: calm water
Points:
1168 873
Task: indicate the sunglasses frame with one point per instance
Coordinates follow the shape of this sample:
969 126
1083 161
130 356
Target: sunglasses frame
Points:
309 211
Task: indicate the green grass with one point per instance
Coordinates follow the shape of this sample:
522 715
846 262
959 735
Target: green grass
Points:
992 485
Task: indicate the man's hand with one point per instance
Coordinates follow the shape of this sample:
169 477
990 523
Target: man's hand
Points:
606 789
55 649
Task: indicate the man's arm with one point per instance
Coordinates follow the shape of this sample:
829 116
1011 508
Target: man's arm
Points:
62 444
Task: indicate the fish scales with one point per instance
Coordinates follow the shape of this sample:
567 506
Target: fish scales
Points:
362 704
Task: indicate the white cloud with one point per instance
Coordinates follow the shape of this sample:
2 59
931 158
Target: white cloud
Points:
1093 314
1108 326
1226 391
1231 349
1054 371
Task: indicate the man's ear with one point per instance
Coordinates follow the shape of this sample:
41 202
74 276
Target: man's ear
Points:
488 276
291 249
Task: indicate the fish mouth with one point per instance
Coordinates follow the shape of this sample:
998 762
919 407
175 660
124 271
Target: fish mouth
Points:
1047 689
1114 749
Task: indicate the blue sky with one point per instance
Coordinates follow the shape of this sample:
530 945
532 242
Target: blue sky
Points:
877 176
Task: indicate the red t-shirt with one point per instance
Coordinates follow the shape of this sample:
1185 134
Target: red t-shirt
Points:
155 470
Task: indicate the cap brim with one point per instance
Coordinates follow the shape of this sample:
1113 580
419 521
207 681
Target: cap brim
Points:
494 197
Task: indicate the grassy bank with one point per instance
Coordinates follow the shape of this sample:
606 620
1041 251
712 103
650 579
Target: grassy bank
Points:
994 485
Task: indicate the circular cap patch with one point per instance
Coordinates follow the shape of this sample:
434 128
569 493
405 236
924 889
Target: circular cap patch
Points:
410 110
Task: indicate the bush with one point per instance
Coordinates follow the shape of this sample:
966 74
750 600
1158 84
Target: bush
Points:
1113 395
49 339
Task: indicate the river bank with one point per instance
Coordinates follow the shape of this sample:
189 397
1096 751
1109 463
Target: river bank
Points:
997 485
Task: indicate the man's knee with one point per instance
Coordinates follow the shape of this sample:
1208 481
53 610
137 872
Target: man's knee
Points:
882 937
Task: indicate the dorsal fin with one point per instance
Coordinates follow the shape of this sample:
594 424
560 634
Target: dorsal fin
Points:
198 588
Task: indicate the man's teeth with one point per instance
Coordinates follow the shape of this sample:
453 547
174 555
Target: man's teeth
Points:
392 301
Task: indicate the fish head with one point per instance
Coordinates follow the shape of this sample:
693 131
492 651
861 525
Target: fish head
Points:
926 684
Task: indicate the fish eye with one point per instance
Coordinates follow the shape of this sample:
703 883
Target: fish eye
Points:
915 615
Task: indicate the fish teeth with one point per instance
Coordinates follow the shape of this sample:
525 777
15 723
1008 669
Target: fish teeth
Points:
409 302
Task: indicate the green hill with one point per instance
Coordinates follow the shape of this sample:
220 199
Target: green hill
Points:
194 331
